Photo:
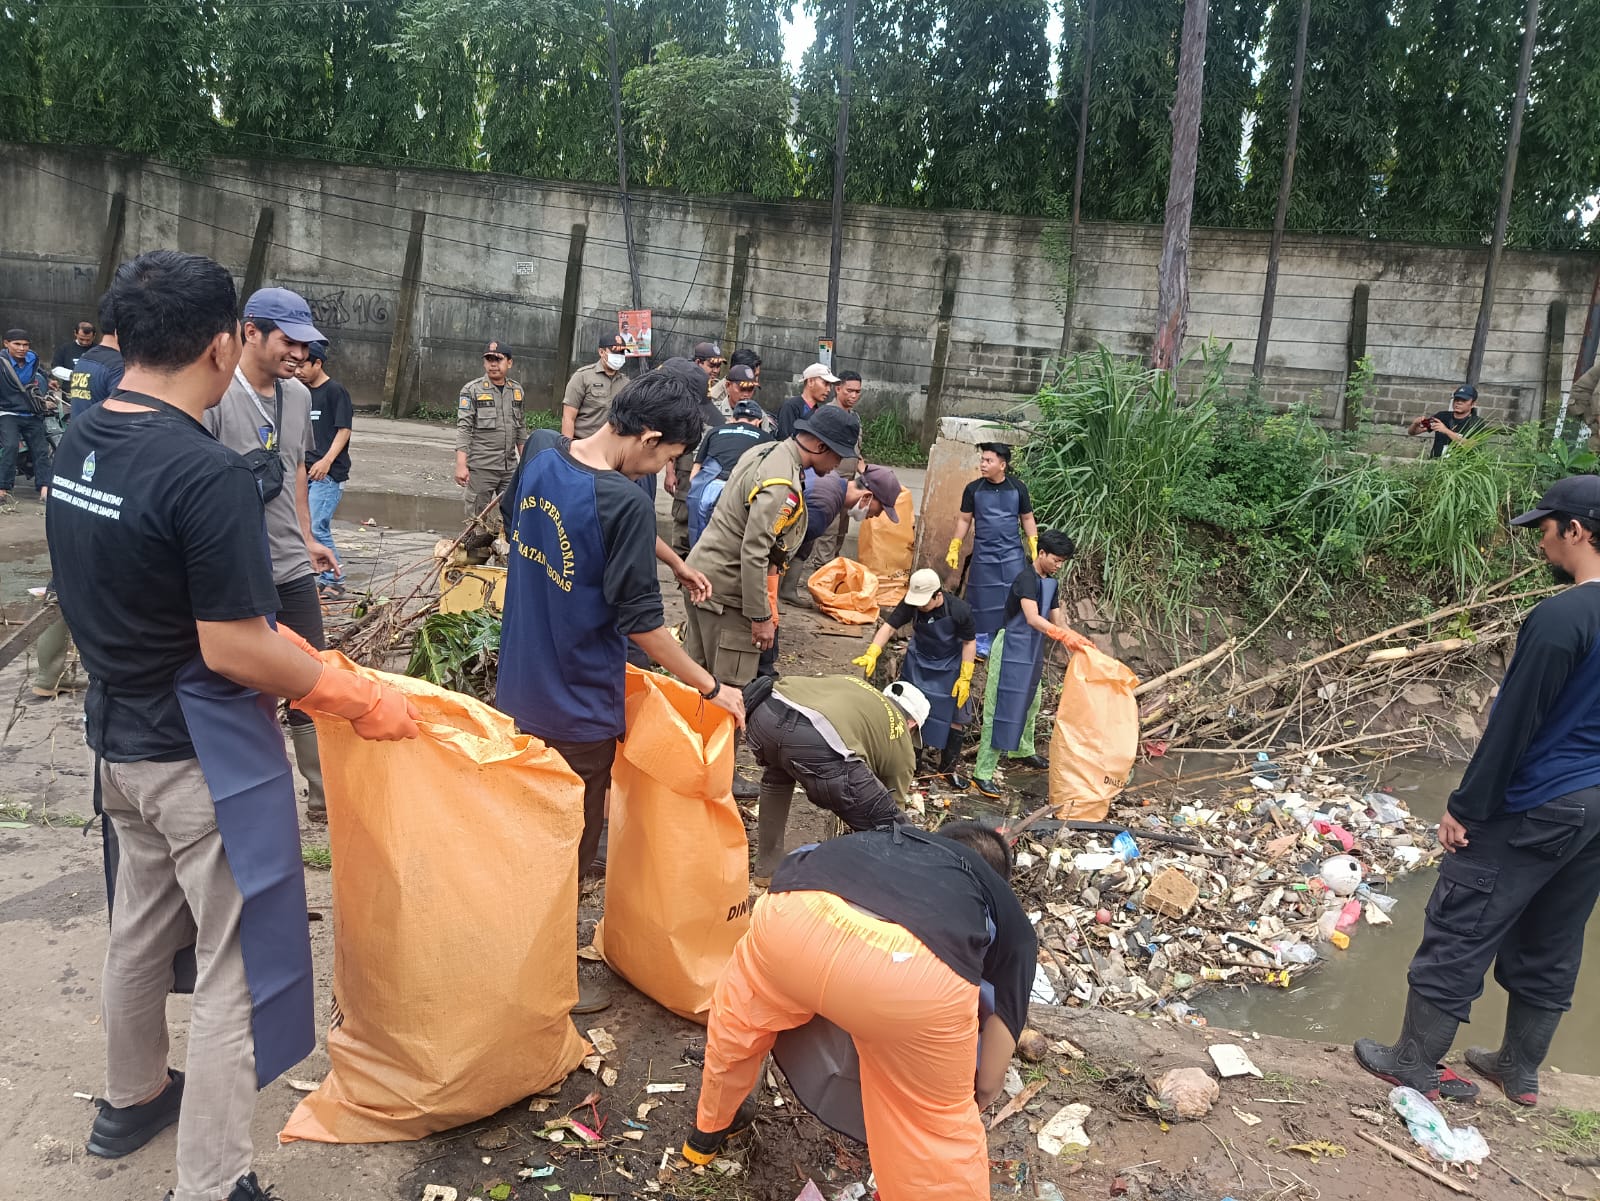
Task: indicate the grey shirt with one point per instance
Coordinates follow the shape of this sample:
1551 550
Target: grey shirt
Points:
239 422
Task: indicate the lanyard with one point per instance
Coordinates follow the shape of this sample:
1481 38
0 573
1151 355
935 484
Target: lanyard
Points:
268 433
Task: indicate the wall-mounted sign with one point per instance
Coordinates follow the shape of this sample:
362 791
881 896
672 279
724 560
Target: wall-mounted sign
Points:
634 326
525 268
825 352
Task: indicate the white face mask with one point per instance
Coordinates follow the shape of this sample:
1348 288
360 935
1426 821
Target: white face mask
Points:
859 513
615 361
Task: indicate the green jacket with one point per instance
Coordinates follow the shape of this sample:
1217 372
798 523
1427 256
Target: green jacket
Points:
872 726
759 522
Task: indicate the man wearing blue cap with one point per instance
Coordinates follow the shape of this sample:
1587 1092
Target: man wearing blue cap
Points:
265 415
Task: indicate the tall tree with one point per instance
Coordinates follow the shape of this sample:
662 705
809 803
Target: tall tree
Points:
137 77
1560 160
1232 36
989 119
1172 302
275 78
22 92
1347 117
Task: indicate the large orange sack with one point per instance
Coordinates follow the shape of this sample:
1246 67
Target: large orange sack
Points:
455 898
677 862
886 549
1096 736
845 591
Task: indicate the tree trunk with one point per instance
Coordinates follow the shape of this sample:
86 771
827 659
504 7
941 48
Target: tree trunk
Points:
1172 311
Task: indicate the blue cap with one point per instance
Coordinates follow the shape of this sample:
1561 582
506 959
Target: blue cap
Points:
285 309
317 351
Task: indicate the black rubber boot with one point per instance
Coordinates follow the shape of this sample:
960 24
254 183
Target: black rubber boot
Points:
744 788
1413 1059
950 760
118 1132
772 820
701 1148
1515 1066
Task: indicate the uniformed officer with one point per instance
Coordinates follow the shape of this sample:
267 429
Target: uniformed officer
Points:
757 525
488 432
587 401
708 358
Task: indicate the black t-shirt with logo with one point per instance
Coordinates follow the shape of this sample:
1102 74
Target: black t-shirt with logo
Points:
1470 424
331 411
153 525
95 376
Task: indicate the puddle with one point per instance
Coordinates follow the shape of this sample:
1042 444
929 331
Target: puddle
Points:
436 514
1361 992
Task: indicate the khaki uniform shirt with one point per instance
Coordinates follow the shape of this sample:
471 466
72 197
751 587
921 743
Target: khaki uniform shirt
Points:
719 396
589 392
872 727
759 522
489 421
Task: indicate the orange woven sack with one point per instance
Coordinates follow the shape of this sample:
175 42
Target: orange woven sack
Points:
677 862
886 549
1096 736
845 591
455 897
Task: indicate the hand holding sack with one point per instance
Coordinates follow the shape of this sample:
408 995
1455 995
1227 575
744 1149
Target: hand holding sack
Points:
375 710
1097 733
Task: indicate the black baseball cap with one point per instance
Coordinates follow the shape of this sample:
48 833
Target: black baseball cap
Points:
748 410
16 335
612 341
1578 495
838 430
1465 392
707 350
497 348
740 374
1000 448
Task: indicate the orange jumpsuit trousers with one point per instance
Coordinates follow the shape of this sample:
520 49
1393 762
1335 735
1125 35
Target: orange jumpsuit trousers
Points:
914 1022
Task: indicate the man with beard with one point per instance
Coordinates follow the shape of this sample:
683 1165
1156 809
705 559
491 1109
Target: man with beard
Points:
1522 832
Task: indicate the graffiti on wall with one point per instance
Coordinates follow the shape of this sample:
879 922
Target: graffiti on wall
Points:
338 310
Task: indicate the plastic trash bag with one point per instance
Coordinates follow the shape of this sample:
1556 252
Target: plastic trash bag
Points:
845 591
677 861
1463 1144
1096 736
885 549
455 897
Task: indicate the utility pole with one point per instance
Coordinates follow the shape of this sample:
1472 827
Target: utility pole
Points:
1172 303
1480 335
622 156
1285 186
1077 184
847 56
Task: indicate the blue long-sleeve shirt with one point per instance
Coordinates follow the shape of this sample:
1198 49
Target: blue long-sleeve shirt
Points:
1543 736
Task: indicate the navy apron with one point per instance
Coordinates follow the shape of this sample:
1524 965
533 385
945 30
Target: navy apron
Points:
997 557
1021 669
933 664
239 744
703 492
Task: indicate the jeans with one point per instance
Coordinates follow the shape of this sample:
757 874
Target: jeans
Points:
325 494
14 427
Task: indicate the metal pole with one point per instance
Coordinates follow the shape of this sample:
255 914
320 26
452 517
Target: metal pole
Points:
847 40
1480 335
1077 184
1285 186
622 157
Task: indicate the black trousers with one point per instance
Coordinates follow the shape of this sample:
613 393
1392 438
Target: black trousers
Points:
1519 896
591 762
792 751
300 608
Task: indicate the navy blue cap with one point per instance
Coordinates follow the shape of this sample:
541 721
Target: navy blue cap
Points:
285 309
1465 392
317 351
748 410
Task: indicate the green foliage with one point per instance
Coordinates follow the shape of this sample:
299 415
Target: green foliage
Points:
1164 496
317 857
459 651
711 124
885 439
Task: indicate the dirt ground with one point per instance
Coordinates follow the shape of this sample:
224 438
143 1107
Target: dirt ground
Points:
52 929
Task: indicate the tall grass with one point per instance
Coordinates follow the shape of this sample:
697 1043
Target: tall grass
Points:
1173 501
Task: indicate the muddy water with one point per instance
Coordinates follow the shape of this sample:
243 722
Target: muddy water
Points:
1362 991
401 511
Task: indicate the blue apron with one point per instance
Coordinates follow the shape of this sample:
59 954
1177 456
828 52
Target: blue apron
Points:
933 664
997 556
240 747
703 492
1021 668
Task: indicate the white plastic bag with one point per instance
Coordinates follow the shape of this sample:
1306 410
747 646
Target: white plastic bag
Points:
1463 1144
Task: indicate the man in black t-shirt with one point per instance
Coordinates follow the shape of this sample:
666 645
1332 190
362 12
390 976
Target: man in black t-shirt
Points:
328 462
68 353
1449 426
892 936
815 384
98 371
720 450
159 551
997 509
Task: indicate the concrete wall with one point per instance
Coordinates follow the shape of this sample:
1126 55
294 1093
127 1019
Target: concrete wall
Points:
494 264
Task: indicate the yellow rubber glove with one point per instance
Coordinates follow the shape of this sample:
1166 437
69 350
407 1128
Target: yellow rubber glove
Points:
963 685
868 662
953 559
1033 546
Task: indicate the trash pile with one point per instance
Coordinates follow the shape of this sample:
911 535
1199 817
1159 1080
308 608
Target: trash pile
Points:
1138 912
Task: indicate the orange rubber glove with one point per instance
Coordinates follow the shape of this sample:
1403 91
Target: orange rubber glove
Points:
1070 639
286 633
375 711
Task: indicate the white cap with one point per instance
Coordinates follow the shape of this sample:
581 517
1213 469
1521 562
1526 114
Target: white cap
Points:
909 698
924 585
820 371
